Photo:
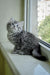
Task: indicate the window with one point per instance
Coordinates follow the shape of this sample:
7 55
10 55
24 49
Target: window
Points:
31 16
32 23
44 24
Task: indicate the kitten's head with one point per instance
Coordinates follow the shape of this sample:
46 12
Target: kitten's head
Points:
14 26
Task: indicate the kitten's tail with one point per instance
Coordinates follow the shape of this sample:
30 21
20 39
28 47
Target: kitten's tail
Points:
39 56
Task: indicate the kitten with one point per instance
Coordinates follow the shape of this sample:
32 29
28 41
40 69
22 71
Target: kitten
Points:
25 42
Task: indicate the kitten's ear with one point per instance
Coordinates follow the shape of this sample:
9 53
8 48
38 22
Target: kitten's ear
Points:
11 20
20 23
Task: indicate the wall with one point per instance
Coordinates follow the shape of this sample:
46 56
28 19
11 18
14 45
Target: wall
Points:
9 9
1 64
4 67
7 69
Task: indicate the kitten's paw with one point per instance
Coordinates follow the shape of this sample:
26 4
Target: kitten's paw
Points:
21 53
18 52
13 52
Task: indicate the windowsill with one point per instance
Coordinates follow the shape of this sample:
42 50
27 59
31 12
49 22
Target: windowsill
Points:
24 64
45 51
44 46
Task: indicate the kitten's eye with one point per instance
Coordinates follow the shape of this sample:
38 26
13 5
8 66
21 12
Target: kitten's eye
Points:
17 25
12 23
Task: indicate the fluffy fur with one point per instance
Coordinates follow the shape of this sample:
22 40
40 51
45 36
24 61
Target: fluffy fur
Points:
25 42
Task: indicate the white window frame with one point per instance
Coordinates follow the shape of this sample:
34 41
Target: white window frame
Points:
28 18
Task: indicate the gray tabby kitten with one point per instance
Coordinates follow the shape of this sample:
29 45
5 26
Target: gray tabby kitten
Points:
25 42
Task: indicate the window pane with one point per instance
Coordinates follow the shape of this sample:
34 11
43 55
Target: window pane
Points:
44 20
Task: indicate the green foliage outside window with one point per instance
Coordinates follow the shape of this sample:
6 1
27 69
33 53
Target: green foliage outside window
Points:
44 29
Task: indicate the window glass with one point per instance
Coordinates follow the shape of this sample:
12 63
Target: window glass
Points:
44 20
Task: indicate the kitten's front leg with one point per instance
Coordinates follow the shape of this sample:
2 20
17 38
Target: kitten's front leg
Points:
17 51
25 49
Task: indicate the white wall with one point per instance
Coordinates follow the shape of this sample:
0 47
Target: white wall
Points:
9 9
